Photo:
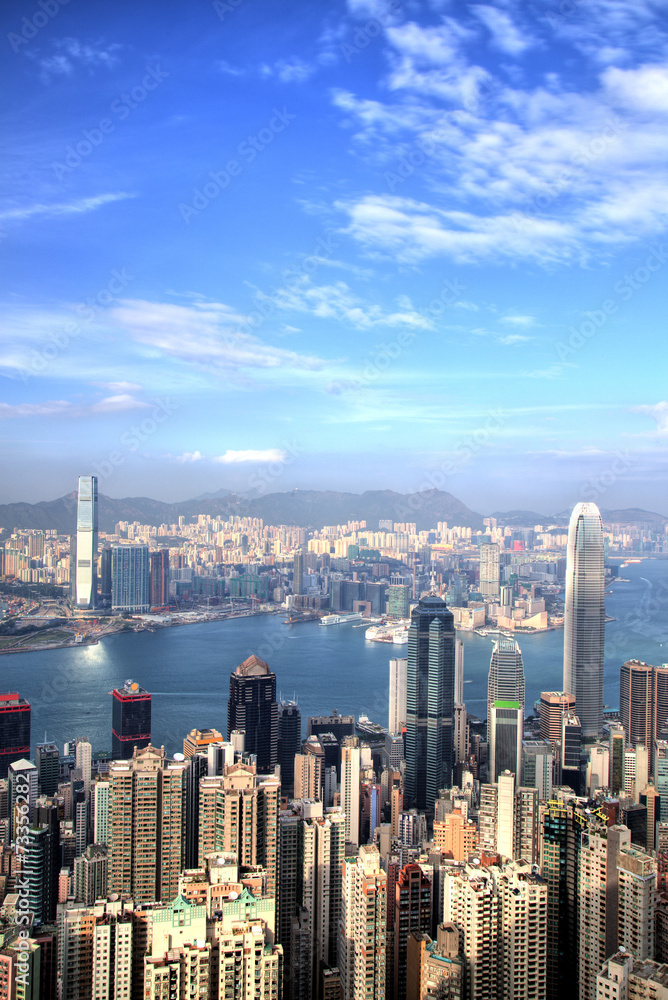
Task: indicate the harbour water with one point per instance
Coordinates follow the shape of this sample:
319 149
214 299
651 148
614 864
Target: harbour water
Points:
187 669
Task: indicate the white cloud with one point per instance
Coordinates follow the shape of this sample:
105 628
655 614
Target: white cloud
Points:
117 387
210 334
514 338
504 33
337 301
72 54
659 414
63 208
52 408
519 320
114 404
644 89
266 455
189 456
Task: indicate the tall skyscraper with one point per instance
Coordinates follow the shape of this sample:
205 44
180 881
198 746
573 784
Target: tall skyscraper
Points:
129 578
429 702
289 743
350 788
397 713
584 618
130 720
86 546
47 759
489 570
253 708
159 578
14 730
505 709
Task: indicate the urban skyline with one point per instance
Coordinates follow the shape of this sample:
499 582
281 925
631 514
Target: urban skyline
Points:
408 235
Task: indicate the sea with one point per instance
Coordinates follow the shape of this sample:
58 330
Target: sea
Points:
187 668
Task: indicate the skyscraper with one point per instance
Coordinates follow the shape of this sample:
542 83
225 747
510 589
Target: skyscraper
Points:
85 572
130 720
489 570
159 578
397 713
289 742
253 708
362 939
584 618
146 826
14 730
129 578
505 709
429 702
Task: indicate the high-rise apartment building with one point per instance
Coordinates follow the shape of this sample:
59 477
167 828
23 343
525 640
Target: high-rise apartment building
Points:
636 911
505 709
584 616
537 762
489 569
643 702
500 912
238 813
130 720
429 702
253 708
85 571
597 881
312 842
198 741
362 940
146 826
14 730
350 788
130 578
159 578
412 914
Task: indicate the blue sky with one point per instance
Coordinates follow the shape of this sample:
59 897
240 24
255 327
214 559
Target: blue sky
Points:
352 245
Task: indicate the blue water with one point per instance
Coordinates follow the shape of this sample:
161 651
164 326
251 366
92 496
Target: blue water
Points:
187 669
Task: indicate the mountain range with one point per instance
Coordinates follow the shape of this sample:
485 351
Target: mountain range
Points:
306 508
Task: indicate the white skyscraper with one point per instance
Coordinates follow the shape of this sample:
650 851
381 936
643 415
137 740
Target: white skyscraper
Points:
350 790
505 709
489 570
584 622
397 715
85 571
460 723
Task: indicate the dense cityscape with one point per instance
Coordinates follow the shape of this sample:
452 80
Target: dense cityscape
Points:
429 853
333 524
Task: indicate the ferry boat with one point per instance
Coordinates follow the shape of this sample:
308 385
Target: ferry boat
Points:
339 619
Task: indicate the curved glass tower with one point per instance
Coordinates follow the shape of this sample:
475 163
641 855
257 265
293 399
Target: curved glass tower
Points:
430 702
584 622
505 710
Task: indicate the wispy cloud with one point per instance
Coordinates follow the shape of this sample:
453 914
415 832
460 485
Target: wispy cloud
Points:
505 35
206 334
250 455
70 54
77 207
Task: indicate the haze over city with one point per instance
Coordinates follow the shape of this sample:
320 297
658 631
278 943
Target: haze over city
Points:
336 246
